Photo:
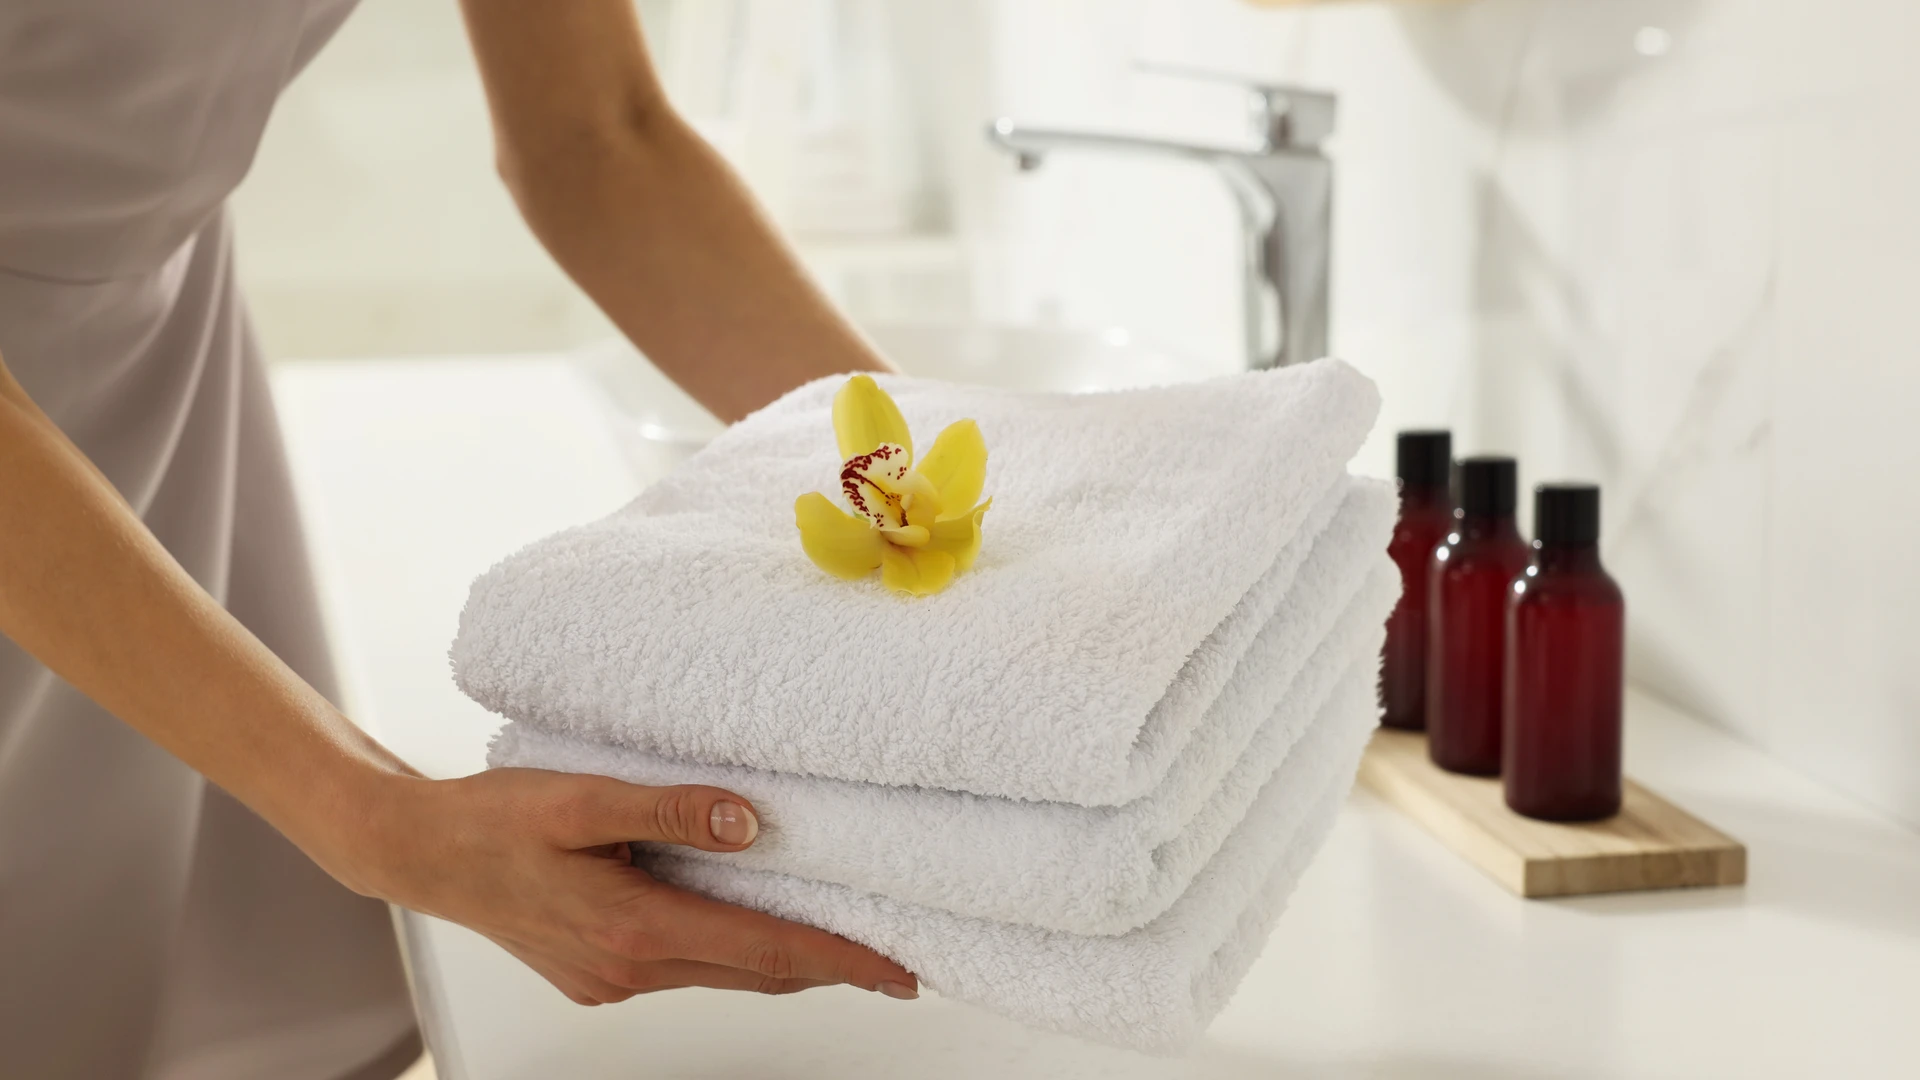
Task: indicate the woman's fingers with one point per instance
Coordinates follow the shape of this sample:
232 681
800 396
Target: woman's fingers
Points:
586 988
696 928
596 810
669 974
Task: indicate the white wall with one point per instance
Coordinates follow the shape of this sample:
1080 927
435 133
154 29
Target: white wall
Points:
1669 245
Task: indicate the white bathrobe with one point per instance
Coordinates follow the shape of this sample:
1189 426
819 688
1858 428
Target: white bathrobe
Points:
150 926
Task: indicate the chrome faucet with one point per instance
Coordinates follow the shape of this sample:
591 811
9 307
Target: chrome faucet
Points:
1283 186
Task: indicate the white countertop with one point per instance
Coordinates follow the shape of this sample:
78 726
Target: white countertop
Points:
1396 959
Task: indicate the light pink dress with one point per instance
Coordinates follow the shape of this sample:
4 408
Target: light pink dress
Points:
151 927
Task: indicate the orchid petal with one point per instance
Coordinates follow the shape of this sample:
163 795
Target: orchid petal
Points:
864 418
920 571
838 542
959 537
957 466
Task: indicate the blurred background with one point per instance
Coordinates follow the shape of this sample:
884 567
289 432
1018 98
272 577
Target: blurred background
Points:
1664 244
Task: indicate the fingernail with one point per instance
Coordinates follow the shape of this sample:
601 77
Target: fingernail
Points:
898 990
733 824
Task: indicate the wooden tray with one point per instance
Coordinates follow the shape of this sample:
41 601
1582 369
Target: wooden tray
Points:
1650 844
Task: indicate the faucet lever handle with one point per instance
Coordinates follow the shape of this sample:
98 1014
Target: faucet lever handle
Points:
1282 115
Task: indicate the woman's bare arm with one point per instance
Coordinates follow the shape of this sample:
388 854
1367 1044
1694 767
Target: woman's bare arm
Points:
643 214
534 860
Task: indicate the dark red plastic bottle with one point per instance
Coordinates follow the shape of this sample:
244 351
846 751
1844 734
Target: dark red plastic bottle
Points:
1426 513
1566 631
1467 619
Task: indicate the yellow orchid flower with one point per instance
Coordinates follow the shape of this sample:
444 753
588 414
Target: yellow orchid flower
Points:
918 524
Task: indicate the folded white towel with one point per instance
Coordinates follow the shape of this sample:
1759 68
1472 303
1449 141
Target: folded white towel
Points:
1125 528
1155 988
1090 870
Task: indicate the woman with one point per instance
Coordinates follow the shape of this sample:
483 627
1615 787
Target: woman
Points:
154 592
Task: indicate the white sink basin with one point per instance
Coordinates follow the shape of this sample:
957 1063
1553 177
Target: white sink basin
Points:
659 424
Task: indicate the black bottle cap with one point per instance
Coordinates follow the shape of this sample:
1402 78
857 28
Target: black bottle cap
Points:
1488 486
1425 458
1566 513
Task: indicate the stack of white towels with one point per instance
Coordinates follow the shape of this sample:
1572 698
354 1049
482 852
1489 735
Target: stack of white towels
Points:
1077 786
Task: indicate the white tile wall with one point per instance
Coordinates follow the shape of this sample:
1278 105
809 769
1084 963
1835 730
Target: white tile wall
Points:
1843 581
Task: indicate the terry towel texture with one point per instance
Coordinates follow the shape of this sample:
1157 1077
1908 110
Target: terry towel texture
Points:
1127 528
1155 988
1090 870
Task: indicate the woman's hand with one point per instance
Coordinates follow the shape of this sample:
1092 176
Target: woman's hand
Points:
538 862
